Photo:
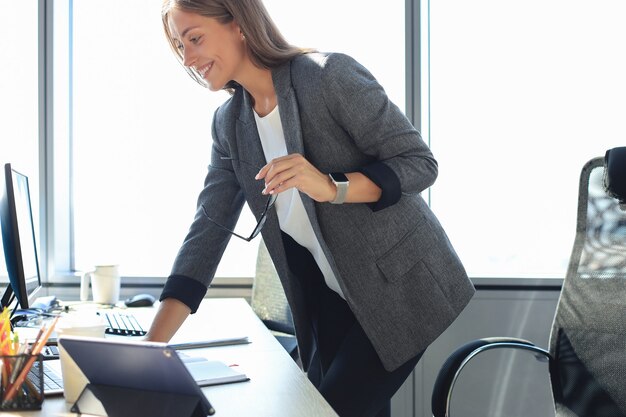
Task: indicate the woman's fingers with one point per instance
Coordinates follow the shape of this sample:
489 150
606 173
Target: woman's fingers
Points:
294 171
273 166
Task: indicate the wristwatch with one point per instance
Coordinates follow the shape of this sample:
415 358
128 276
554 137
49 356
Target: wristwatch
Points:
341 182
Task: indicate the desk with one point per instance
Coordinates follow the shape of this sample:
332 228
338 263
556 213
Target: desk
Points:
277 387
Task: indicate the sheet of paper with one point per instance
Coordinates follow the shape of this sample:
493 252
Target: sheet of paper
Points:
203 343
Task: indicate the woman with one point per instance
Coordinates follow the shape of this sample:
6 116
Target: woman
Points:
370 275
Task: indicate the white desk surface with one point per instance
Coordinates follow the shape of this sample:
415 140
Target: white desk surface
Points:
277 387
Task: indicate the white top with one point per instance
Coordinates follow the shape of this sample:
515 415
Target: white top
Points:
292 217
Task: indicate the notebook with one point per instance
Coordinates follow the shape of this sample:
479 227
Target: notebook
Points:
135 368
206 372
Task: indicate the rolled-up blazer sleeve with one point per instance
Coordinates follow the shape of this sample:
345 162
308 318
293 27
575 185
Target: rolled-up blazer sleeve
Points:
378 127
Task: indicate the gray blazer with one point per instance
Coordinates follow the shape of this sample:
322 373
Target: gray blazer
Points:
396 268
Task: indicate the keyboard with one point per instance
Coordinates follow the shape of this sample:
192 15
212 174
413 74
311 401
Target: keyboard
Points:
123 324
52 380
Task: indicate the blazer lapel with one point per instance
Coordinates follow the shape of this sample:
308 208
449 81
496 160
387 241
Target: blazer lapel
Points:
249 147
250 151
290 120
288 105
248 143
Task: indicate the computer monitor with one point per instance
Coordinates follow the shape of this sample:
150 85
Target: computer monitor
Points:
18 237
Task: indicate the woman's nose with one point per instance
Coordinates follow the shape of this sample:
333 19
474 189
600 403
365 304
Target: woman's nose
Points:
188 58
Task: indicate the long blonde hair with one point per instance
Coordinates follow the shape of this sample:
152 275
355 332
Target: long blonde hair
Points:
265 44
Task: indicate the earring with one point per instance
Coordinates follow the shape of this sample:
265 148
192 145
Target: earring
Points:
243 37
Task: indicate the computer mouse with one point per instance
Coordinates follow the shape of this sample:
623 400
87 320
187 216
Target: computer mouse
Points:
140 300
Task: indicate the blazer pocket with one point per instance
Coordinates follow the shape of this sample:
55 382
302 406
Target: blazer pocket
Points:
401 258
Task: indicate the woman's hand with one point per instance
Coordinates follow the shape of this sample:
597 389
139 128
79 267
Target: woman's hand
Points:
170 316
294 171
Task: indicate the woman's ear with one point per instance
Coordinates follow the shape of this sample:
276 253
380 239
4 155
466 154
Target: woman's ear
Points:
237 29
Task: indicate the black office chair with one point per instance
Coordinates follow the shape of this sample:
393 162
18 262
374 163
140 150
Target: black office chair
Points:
587 352
270 304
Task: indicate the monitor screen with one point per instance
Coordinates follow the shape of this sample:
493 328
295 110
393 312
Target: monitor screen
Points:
18 237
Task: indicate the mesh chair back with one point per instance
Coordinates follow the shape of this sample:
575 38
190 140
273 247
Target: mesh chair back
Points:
268 297
588 338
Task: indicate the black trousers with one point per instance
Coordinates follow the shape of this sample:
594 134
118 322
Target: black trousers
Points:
345 367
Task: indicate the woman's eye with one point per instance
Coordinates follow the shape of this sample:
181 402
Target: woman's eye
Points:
179 46
195 40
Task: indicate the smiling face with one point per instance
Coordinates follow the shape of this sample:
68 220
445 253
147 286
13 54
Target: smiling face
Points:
215 50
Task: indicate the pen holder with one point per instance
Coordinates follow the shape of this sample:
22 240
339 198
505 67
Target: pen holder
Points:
22 382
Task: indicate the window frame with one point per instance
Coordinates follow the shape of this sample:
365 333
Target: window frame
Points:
55 143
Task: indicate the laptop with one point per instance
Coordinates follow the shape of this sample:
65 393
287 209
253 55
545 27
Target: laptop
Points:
52 379
153 371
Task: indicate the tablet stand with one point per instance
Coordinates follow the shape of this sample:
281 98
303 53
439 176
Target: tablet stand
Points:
110 401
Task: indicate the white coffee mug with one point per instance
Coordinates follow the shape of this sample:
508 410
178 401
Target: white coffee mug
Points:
105 284
90 325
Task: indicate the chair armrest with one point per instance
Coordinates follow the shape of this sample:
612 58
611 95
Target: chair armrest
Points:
279 327
452 367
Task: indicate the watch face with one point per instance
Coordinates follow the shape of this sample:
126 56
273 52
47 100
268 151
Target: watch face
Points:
339 177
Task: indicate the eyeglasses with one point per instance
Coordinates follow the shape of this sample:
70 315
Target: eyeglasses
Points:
257 229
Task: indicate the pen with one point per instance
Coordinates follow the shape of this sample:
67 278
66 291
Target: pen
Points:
12 390
16 344
34 344
18 363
